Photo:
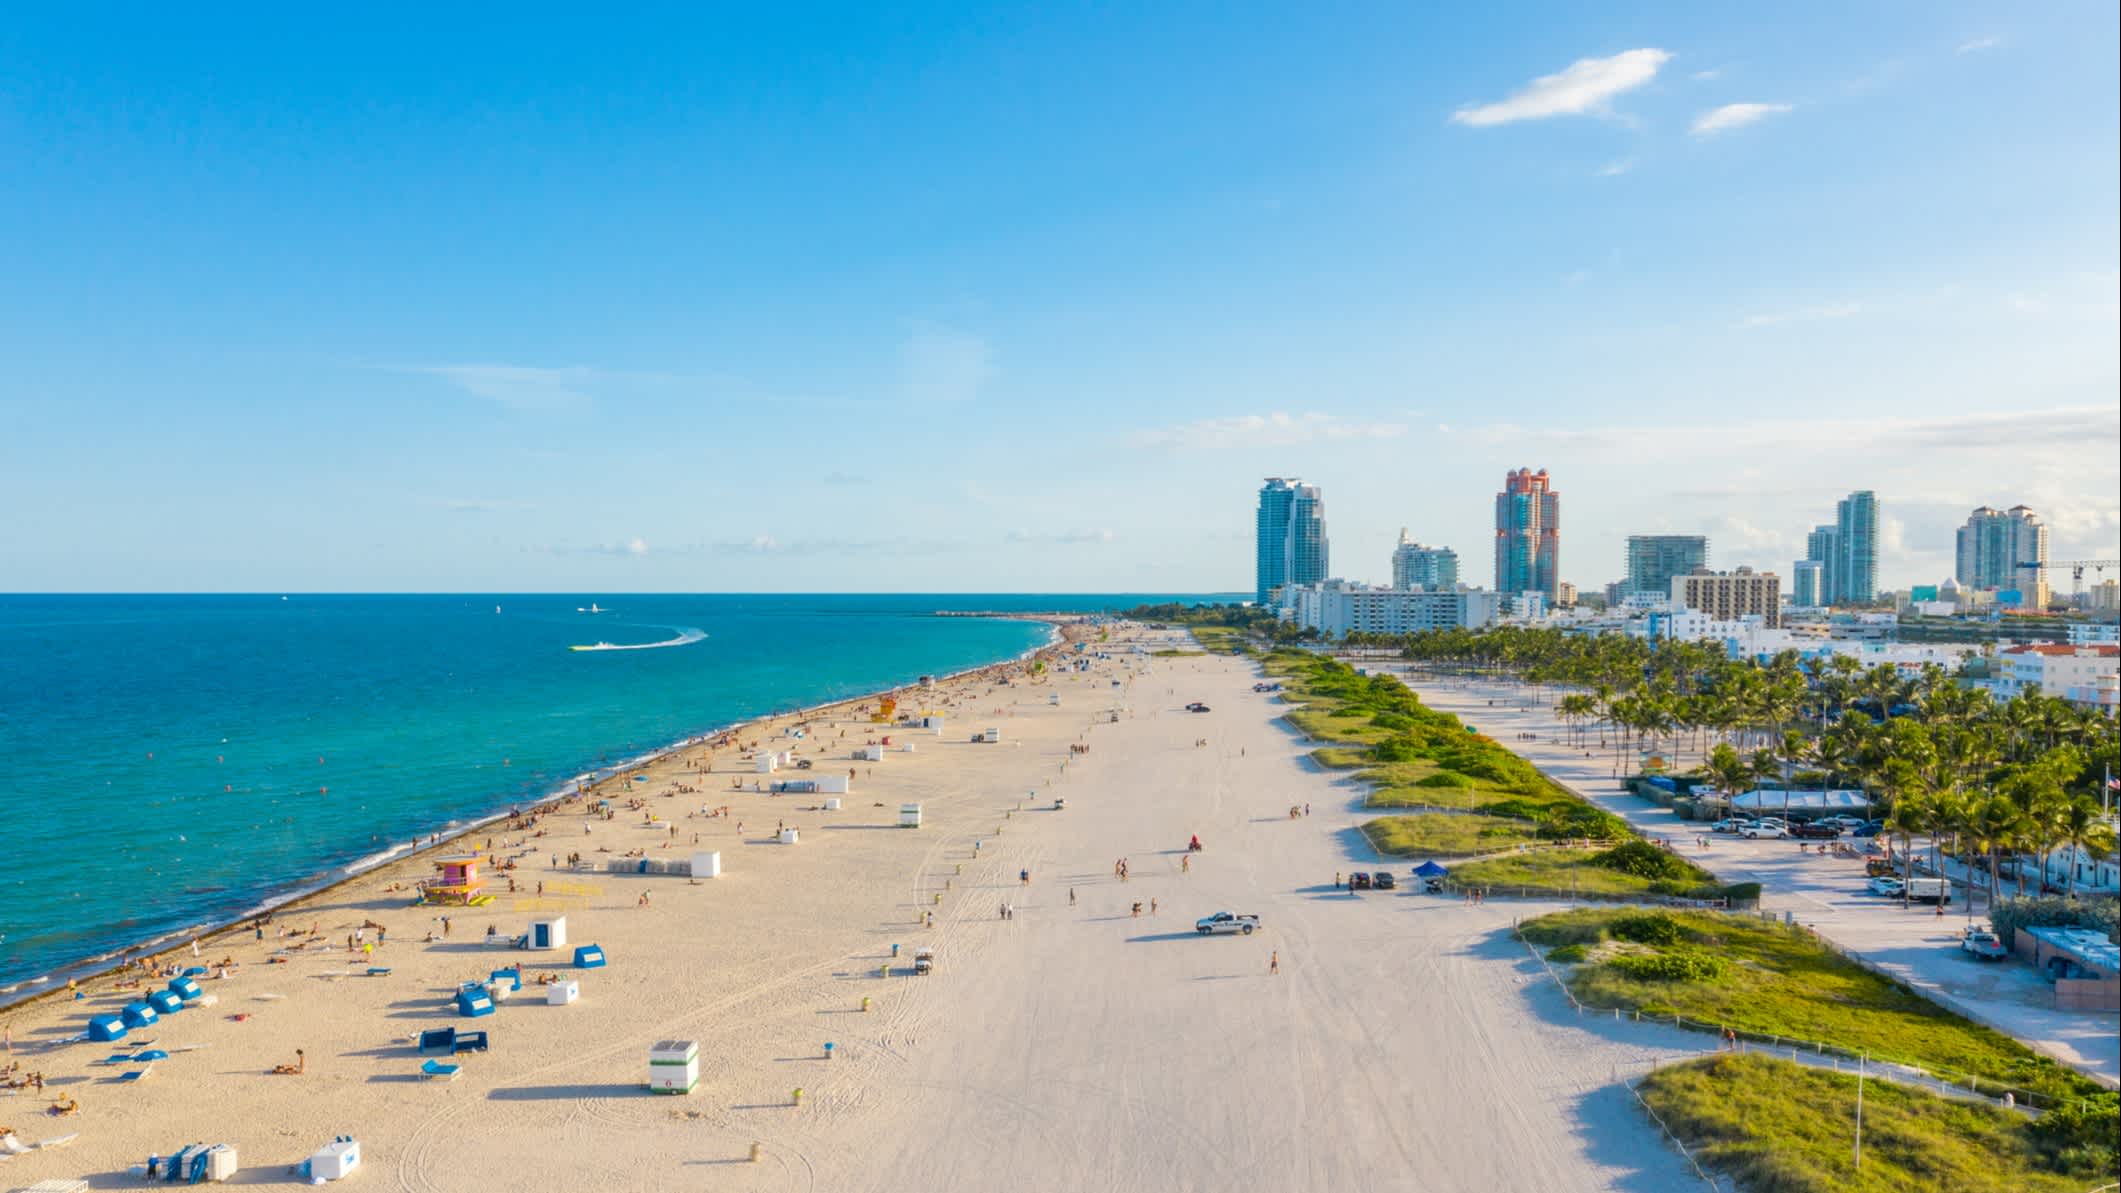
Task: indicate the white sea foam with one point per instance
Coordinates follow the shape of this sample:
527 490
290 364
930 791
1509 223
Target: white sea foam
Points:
687 635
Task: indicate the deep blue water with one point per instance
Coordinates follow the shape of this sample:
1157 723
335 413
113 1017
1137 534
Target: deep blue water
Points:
174 760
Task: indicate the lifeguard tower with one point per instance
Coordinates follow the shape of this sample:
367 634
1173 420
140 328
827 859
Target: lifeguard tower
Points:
456 884
885 710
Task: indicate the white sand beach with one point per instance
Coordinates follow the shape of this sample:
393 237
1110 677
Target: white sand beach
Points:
1407 1042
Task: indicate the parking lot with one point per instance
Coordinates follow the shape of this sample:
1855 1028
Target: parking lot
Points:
1824 891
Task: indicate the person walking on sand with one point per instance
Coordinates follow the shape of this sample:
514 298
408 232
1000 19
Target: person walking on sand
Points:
1152 907
1274 962
1071 903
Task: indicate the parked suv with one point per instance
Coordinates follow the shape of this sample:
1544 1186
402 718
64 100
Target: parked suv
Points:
1816 831
1358 881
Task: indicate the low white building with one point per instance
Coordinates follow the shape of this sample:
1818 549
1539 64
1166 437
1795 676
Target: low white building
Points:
2091 875
1336 608
2089 676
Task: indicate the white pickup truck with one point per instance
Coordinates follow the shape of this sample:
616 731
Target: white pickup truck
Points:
1226 921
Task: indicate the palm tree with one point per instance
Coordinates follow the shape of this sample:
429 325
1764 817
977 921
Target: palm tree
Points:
2088 835
1910 815
1991 826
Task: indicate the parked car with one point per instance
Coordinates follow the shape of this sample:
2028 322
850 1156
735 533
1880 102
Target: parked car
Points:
1730 824
1818 830
1384 881
1226 921
1984 945
1884 884
1847 823
1196 706
1358 881
1764 828
1869 828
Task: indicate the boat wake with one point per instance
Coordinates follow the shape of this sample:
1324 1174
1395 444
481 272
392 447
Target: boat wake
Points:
687 635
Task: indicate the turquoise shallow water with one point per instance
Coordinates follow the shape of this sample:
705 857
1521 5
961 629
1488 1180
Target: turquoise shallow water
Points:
173 761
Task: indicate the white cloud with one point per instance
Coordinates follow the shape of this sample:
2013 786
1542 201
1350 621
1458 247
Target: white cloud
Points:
1584 88
637 546
1262 430
1730 116
938 364
1616 169
1976 45
1063 538
520 386
1576 277
1832 310
1703 76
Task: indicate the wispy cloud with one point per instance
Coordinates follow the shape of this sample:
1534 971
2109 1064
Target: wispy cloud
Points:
843 479
939 364
1585 87
476 505
520 386
1703 76
1616 169
2019 428
1730 116
1062 538
1976 45
1576 277
1262 430
1832 310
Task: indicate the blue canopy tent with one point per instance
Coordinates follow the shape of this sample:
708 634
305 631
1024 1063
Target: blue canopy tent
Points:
1429 869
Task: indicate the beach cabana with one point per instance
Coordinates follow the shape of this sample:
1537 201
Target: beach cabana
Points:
105 1029
673 1066
334 1160
789 836
165 1002
139 1014
185 989
909 815
707 864
869 753
512 978
549 934
589 956
473 1002
560 994
1429 869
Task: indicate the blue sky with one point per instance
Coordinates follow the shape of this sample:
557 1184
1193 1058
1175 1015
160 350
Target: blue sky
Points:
1030 298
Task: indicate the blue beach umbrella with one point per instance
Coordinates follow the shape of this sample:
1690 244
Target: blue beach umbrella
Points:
150 1054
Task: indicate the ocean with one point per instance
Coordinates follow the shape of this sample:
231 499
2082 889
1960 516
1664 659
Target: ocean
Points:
179 760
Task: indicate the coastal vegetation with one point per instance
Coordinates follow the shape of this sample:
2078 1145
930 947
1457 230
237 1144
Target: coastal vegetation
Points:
1770 981
1574 872
1774 1126
1411 756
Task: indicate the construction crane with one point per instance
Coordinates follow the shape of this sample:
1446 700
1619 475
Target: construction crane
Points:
2076 570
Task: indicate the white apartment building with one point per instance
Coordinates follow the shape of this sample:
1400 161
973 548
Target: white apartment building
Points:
1731 595
1336 608
2089 676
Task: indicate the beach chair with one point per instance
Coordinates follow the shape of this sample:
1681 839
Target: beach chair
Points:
379 971
137 1075
441 1041
438 1070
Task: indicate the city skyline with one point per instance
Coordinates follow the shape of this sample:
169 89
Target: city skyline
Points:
1029 300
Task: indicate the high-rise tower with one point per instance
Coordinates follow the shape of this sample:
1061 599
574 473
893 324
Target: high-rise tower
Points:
1528 534
1291 545
1416 566
1856 532
1993 545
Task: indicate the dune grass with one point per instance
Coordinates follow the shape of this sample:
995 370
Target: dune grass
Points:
1220 639
1778 1127
1559 872
1781 981
1445 834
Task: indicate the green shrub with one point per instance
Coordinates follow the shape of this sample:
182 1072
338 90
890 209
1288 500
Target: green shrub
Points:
1644 860
1392 720
2010 915
1671 965
1742 893
1570 953
1651 928
1398 748
1444 778
2082 1134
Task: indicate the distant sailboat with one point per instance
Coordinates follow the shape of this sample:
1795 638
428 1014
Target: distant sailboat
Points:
593 608
497 608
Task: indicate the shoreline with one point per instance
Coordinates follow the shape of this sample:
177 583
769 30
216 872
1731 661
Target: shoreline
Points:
61 978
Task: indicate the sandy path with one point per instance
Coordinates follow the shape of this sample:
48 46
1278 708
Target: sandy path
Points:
1407 1043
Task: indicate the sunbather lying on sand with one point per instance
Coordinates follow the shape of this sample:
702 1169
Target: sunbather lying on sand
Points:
293 1070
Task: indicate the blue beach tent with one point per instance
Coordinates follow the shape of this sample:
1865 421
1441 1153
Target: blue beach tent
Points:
1430 869
165 1002
514 978
186 989
105 1028
473 1002
589 956
139 1014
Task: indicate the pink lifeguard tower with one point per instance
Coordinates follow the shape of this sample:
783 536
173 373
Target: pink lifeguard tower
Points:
457 884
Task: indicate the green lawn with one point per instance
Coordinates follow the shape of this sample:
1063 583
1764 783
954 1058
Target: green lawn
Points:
1552 871
1326 724
1445 834
1778 1127
1220 639
1782 982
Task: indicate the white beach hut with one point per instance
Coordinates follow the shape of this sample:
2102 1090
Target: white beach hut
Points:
550 933
768 763
707 865
832 784
909 815
561 994
869 753
673 1066
789 837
